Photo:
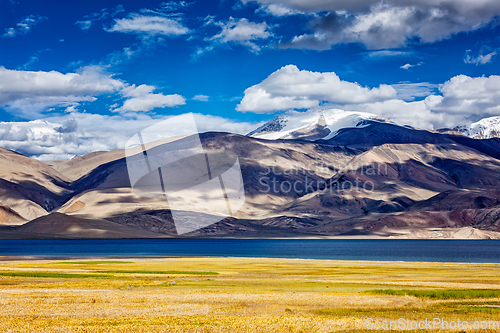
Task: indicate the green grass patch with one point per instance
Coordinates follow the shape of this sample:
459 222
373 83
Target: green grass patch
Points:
440 294
160 272
55 275
93 262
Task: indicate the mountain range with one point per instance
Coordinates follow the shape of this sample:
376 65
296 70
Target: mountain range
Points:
328 173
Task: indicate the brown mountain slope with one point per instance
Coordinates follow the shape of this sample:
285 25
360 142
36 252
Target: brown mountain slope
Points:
480 223
9 216
57 224
23 200
21 169
106 191
405 175
30 187
80 166
405 182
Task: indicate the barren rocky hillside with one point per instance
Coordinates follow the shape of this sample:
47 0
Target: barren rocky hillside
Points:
374 180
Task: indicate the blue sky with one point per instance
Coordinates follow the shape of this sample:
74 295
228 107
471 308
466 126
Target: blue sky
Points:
72 73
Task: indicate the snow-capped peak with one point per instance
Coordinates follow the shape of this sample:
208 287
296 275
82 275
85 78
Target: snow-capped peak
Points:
275 125
486 128
313 124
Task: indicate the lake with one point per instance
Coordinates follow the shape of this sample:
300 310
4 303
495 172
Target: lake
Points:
481 251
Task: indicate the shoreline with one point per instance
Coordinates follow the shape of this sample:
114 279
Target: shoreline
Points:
343 261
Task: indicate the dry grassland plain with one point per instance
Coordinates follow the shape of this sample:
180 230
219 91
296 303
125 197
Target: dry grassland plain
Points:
240 295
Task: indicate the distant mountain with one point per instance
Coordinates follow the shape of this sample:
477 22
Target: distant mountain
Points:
337 174
486 128
313 125
30 188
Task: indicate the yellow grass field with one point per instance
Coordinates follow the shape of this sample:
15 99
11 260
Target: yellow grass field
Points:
241 295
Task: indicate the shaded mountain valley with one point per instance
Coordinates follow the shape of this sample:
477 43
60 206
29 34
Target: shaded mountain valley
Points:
375 180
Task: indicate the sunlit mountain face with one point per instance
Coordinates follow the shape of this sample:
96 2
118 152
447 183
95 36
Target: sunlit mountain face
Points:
371 178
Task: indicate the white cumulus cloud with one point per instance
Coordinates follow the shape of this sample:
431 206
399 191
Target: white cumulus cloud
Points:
291 88
456 102
468 95
30 92
79 133
421 104
416 114
142 98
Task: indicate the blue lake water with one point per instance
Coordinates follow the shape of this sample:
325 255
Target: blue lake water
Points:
338 249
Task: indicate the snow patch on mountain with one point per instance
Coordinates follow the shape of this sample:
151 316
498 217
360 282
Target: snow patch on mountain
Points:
275 125
486 128
313 125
